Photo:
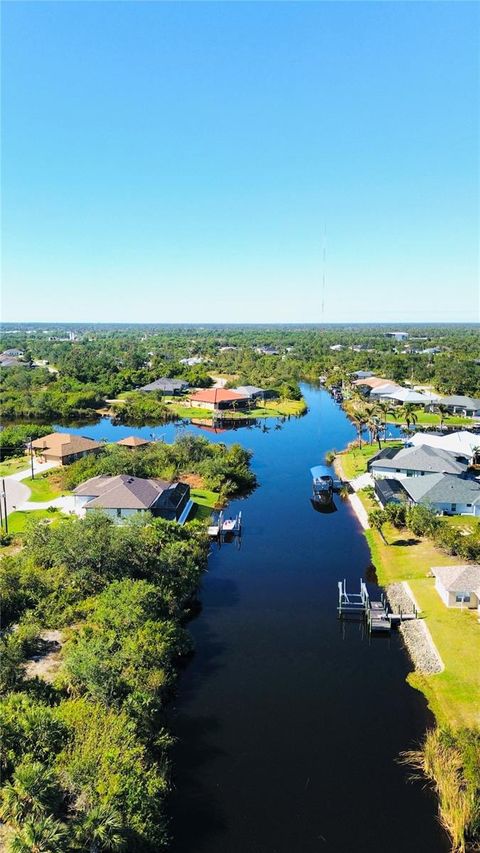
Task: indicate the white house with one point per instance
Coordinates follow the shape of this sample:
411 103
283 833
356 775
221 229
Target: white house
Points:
458 586
122 496
462 443
398 464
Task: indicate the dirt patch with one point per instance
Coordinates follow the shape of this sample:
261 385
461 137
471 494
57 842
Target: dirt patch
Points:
46 663
195 481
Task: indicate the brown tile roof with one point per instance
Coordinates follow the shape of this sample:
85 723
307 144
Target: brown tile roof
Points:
122 491
217 395
133 441
64 444
374 382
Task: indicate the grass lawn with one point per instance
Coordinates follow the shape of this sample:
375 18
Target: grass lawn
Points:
17 521
354 462
431 418
11 466
465 523
43 487
453 695
205 502
279 408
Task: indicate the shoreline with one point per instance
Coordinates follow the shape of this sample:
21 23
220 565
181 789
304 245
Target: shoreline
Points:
416 635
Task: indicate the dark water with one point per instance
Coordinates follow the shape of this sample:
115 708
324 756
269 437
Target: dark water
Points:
289 723
288 726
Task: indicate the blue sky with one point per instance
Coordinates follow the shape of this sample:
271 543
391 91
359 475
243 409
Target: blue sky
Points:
169 162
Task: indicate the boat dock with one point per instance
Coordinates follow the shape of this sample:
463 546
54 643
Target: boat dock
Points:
225 528
377 613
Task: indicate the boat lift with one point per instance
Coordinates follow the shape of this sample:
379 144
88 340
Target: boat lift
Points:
225 529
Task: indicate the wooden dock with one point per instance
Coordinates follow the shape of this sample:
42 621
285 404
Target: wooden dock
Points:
224 529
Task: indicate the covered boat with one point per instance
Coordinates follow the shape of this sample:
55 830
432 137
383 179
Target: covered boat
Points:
322 482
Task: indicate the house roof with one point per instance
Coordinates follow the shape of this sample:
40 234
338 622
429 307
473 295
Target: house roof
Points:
407 395
165 383
248 390
374 382
122 491
459 578
459 400
217 395
385 390
462 443
65 443
442 488
422 458
133 441
362 374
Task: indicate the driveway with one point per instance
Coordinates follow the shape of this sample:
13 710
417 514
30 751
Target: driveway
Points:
16 494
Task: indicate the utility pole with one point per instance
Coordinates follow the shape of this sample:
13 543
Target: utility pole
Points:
5 504
31 457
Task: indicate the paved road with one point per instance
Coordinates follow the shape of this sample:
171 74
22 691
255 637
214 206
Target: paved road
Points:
16 494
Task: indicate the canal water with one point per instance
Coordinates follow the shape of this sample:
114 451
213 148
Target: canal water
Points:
289 722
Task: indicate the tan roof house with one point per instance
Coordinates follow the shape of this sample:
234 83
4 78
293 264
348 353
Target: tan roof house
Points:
133 441
64 447
458 586
122 496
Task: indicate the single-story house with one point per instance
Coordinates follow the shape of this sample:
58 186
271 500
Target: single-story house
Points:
122 496
468 407
458 586
192 361
444 493
218 398
362 374
254 393
11 361
406 462
165 385
381 393
13 352
133 441
374 381
398 336
462 443
266 350
64 447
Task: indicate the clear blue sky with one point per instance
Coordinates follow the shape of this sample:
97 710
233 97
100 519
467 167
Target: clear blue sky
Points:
169 162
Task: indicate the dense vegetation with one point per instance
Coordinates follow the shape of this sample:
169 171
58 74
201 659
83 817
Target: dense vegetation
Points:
223 469
105 362
85 760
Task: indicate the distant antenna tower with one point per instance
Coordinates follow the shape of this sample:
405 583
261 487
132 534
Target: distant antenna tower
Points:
324 268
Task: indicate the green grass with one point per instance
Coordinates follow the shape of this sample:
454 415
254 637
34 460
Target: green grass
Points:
453 695
42 488
11 466
431 418
205 502
279 408
17 521
354 462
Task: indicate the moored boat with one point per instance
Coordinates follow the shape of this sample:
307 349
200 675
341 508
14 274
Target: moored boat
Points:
322 484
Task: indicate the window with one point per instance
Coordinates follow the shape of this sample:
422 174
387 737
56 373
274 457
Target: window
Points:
119 513
453 507
462 597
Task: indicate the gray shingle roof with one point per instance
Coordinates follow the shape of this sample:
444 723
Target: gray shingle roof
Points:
459 400
165 384
422 458
122 491
459 578
249 390
442 488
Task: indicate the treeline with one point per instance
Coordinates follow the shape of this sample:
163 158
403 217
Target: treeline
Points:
106 362
223 469
423 521
85 748
14 440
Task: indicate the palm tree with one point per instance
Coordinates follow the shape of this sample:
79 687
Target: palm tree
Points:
408 412
45 835
33 792
385 410
359 418
100 830
442 412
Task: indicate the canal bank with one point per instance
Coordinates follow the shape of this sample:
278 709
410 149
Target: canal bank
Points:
289 722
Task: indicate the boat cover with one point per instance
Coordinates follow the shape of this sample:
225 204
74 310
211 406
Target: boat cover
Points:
319 471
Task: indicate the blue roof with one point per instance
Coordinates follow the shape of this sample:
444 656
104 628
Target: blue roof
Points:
320 471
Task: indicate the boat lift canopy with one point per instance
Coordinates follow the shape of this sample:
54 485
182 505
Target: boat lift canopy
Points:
320 471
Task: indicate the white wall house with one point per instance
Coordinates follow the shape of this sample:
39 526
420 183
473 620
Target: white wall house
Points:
458 586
